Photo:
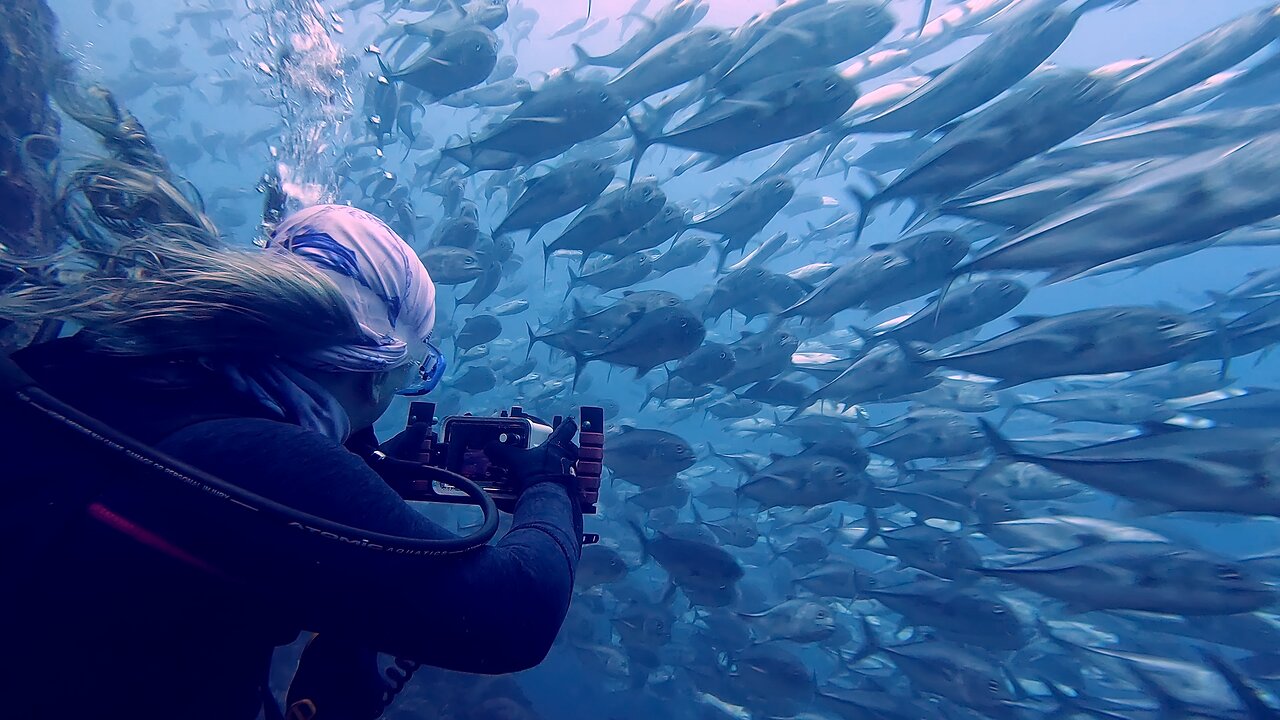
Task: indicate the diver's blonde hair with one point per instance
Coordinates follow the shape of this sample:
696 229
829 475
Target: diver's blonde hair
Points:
167 295
148 275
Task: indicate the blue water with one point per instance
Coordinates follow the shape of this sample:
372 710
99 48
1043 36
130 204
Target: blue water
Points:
562 688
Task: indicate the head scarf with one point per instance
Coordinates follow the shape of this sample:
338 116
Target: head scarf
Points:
391 297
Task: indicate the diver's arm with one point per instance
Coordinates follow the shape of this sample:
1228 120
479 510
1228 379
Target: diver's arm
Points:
493 610
499 610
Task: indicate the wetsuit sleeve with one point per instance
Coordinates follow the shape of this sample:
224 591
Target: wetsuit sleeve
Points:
495 610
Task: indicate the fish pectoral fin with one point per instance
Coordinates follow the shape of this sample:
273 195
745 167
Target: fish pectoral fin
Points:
1064 274
760 105
547 120
1149 508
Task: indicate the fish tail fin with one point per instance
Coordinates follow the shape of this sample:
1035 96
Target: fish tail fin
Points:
826 156
435 169
924 16
922 218
856 580
870 643
1244 690
722 256
1218 298
1007 414
533 338
579 364
643 140
999 443
546 261
805 405
644 539
574 279
669 594
864 335
501 229
774 553
863 200
942 296
1223 338
581 58
1169 704
532 231
382 67
831 538
873 528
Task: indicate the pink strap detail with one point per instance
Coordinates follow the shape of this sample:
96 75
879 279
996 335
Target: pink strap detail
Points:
122 524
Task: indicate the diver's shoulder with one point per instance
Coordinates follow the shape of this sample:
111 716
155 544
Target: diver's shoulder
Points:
249 432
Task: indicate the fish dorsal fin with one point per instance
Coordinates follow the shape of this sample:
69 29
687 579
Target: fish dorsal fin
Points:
760 105
642 19
534 119
1025 320
1159 428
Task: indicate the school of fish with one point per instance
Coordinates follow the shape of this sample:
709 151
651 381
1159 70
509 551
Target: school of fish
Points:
847 479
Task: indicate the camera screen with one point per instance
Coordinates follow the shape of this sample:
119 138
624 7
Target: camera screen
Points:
475 464
466 441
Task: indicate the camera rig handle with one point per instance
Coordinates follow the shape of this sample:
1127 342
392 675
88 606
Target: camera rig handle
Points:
589 468
590 455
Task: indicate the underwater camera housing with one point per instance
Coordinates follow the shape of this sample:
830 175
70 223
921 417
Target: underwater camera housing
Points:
459 448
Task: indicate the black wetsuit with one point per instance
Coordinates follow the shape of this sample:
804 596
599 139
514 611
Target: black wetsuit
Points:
111 628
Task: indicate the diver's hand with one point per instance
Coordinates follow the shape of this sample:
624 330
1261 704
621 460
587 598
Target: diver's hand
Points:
337 679
408 443
552 461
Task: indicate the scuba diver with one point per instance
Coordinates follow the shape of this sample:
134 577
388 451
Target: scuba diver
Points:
265 368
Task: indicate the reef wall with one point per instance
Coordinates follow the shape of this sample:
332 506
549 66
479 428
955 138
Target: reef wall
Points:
29 128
